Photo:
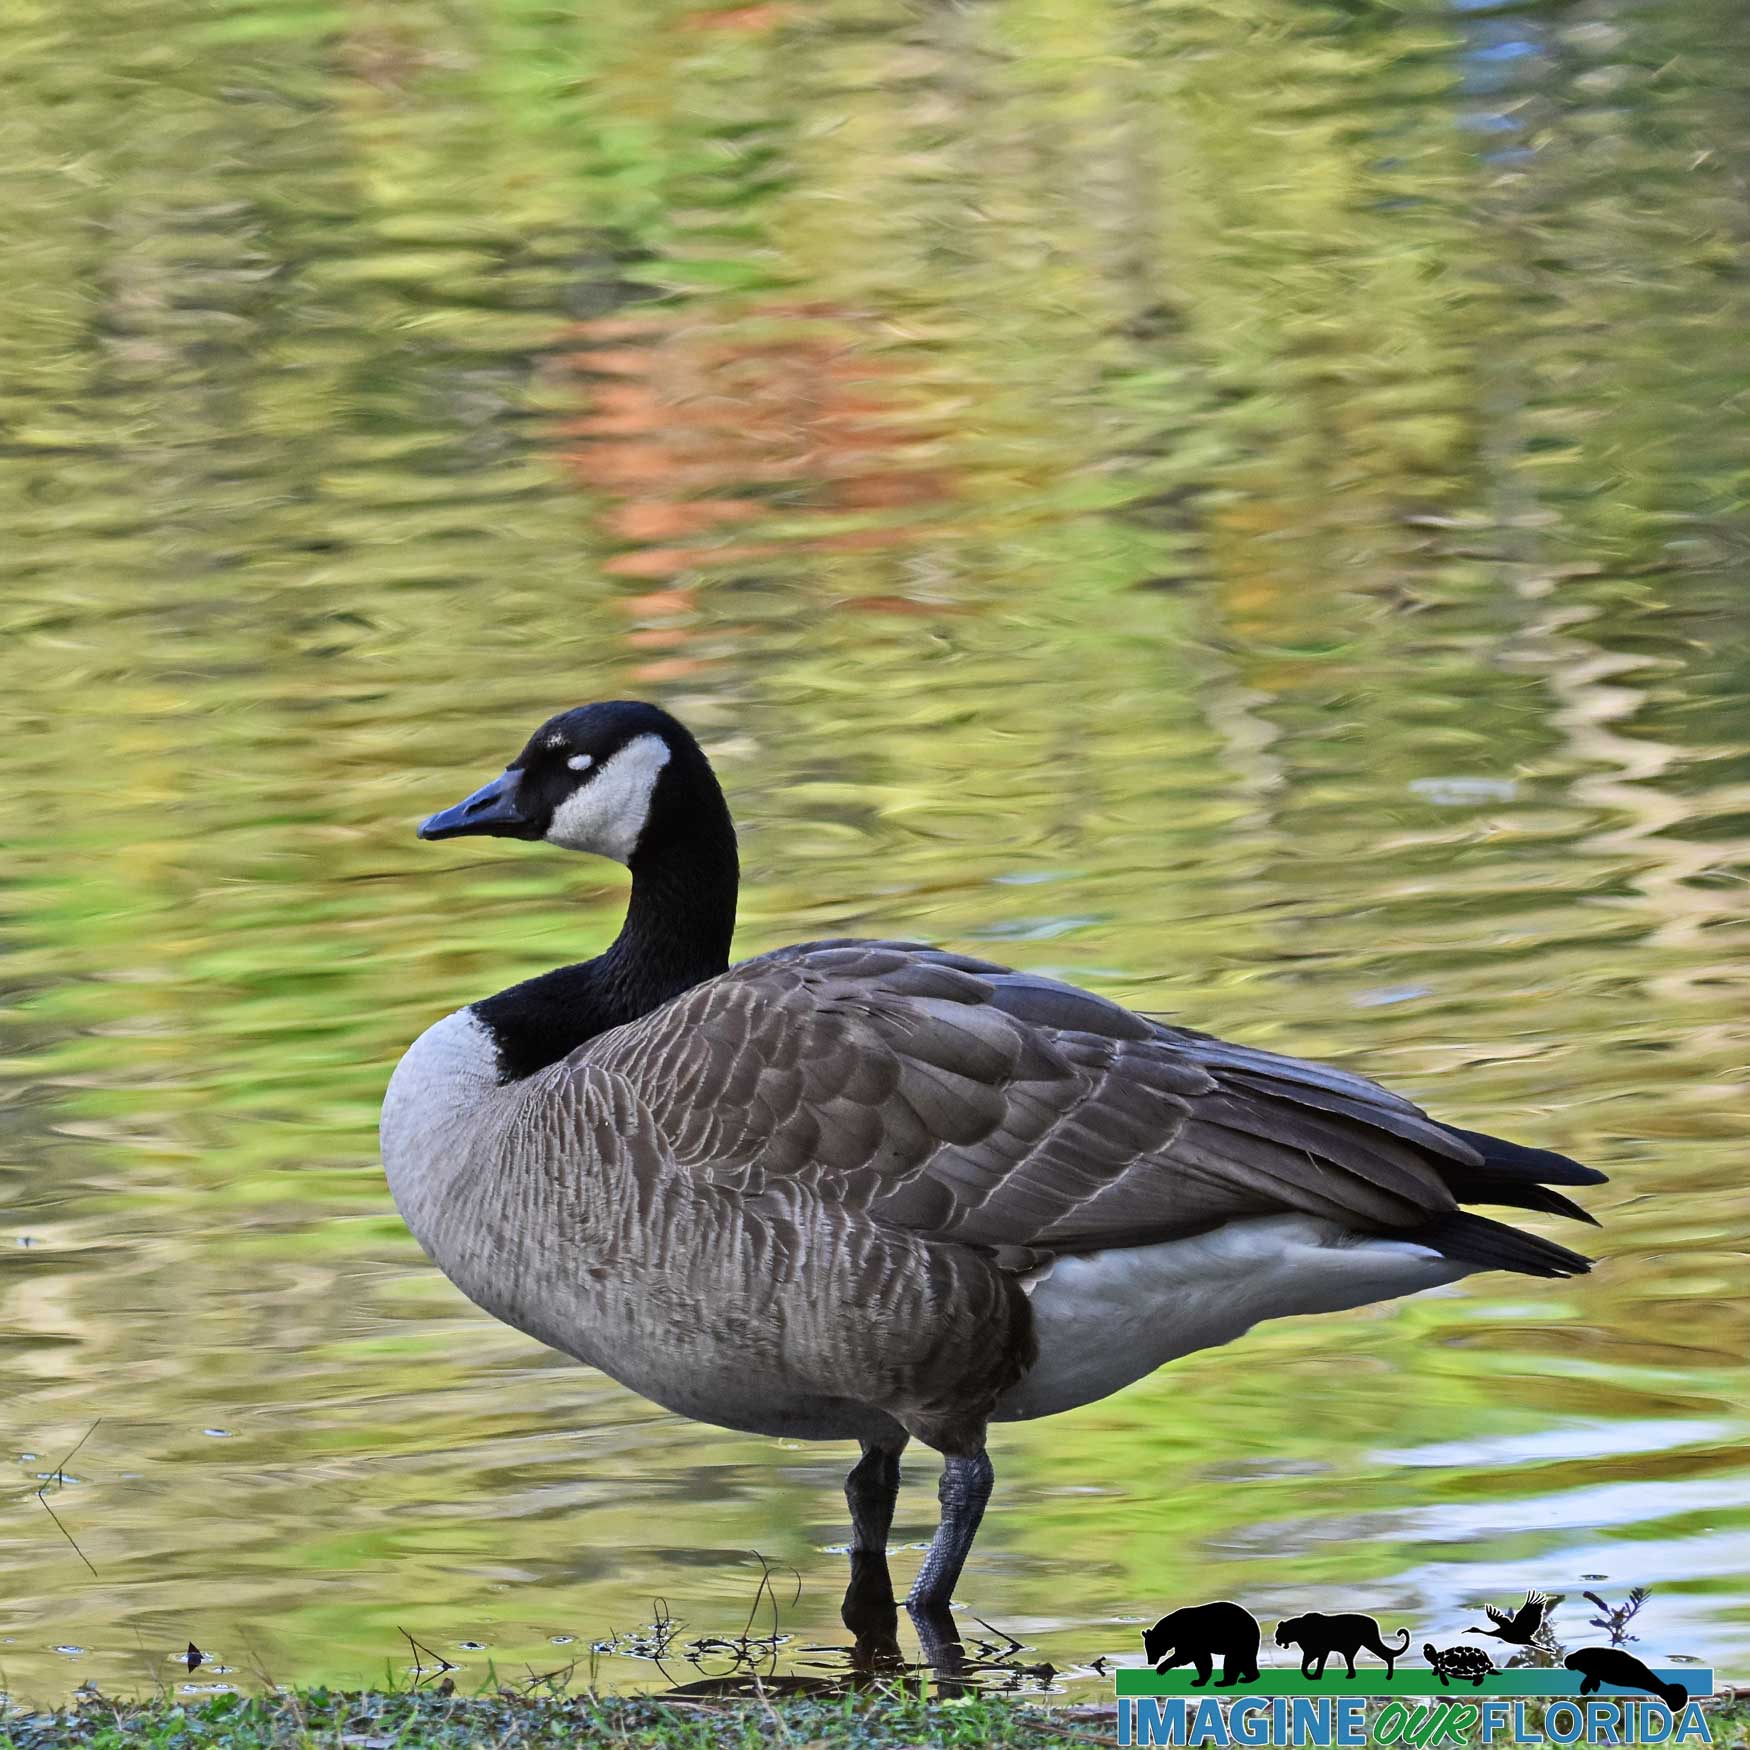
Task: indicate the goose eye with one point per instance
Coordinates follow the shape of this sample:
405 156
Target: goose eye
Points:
581 762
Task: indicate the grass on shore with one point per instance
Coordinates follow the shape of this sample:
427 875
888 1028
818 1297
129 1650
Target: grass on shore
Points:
320 1719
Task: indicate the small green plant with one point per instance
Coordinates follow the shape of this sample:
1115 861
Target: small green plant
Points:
1615 1618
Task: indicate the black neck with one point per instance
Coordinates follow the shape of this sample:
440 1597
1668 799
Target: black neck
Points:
679 922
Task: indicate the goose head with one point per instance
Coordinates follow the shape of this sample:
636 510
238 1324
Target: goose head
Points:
620 779
611 778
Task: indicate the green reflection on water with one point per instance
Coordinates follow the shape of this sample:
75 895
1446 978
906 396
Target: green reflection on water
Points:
1241 507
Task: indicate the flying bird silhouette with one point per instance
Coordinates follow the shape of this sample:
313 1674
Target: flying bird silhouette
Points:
1523 1626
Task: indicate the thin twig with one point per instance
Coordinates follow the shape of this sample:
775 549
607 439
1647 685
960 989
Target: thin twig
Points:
61 1469
771 1591
419 1665
60 1477
666 1629
1014 1645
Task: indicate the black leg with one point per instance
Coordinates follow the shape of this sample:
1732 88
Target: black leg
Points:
871 1614
965 1487
870 1492
869 1610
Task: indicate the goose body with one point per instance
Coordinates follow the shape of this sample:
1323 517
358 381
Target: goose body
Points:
873 1190
740 1290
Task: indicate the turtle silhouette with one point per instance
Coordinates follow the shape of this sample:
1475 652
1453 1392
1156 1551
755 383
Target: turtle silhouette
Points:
1319 1636
1463 1664
1612 1665
1199 1634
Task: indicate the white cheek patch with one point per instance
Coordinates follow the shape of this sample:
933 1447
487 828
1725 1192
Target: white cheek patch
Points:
581 762
606 815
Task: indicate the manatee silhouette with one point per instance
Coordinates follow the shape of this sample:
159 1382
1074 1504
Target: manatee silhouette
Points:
1612 1665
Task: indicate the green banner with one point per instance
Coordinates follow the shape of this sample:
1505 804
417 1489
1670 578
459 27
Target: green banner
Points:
1406 1680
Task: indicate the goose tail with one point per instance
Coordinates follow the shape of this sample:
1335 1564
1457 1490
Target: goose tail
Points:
1493 1245
1517 1177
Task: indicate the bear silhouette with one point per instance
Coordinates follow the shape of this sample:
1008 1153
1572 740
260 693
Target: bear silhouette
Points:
1202 1633
1319 1636
1612 1665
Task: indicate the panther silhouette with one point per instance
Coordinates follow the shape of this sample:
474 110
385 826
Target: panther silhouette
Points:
1200 1634
1320 1636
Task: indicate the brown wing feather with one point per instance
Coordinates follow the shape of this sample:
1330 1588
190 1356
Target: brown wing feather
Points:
959 1099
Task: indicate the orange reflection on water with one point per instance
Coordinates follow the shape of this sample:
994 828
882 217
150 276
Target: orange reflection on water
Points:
791 415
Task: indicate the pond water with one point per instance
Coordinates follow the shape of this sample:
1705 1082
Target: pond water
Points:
1241 506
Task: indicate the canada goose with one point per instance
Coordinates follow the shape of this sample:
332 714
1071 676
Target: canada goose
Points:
1522 1627
876 1191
